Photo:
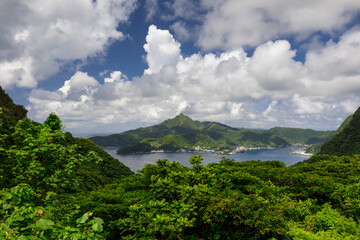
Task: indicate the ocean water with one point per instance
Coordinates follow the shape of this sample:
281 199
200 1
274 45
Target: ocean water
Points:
138 161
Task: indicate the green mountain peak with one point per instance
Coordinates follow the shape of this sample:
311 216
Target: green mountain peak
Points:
182 120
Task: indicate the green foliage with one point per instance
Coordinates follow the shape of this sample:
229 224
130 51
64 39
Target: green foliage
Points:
49 189
195 161
25 214
40 157
325 224
40 166
53 122
94 174
234 200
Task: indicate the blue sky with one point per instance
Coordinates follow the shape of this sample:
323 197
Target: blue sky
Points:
112 65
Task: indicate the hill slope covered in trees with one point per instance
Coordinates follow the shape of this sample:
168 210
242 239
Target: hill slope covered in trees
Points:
347 139
182 132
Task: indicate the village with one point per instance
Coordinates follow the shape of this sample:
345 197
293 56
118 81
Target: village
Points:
238 149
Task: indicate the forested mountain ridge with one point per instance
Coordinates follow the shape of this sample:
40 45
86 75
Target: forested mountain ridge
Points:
347 139
181 124
182 132
301 136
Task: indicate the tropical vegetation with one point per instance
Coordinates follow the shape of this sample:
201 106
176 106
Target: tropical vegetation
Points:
55 186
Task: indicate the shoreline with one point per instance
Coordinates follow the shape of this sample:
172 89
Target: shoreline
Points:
301 152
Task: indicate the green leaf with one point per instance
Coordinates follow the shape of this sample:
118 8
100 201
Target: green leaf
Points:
76 236
44 224
98 220
83 219
97 227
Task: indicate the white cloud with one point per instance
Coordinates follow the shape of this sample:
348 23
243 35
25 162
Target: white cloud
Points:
115 76
181 31
265 89
40 36
336 59
261 20
304 105
273 66
79 81
161 49
152 7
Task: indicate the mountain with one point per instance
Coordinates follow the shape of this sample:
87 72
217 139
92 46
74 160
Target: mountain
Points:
301 136
181 124
347 140
182 132
344 124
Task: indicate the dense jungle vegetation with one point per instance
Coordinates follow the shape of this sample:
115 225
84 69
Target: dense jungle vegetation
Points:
54 186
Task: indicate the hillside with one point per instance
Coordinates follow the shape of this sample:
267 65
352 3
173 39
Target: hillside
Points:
16 134
181 124
316 148
301 136
10 112
9 108
182 132
344 124
347 140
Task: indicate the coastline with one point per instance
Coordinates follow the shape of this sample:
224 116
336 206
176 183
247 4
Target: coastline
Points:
301 152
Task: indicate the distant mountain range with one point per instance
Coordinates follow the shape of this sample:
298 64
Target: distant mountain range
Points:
182 132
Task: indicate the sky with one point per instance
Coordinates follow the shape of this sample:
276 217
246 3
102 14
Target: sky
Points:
106 66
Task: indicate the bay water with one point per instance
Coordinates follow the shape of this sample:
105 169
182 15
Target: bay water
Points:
138 161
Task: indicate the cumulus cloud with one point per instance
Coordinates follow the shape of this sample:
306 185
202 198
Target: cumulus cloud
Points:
282 72
161 49
337 58
39 36
262 20
267 89
79 81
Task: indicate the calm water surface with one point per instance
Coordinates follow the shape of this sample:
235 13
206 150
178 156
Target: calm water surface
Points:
137 162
